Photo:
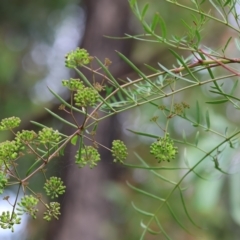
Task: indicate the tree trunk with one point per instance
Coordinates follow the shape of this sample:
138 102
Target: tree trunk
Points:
85 212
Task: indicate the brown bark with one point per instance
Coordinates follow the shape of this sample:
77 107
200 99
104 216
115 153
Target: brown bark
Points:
84 209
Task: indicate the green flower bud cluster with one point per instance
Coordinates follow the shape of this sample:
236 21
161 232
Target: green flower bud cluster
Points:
89 155
53 210
9 150
25 136
10 123
77 58
73 84
86 97
54 187
3 181
8 220
164 149
28 205
48 135
119 151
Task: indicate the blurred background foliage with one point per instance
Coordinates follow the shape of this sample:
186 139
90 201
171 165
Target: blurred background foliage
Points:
35 36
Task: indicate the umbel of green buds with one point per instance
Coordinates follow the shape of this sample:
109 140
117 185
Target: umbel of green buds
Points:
164 149
73 84
54 187
48 135
53 211
77 58
9 123
8 220
119 151
28 205
87 155
86 97
83 96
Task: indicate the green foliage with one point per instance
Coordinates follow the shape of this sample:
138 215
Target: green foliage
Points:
200 66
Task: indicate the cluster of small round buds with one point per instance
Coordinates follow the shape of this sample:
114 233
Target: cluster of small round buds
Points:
89 155
26 136
53 210
119 151
164 149
49 136
73 84
77 58
28 205
54 187
86 97
9 123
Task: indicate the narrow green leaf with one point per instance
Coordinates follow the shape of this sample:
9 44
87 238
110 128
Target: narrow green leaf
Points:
141 211
61 152
219 11
176 219
74 140
226 45
154 172
184 64
38 124
161 228
114 81
132 2
226 130
65 103
218 101
33 166
143 134
95 127
153 168
175 75
226 95
196 138
198 113
60 118
186 25
184 136
137 70
144 11
208 120
163 27
186 211
185 159
198 36
154 22
145 193
233 88
81 145
152 68
148 229
227 2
